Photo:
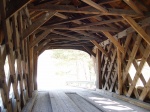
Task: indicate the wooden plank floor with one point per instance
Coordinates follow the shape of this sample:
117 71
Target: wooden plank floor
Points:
42 103
80 100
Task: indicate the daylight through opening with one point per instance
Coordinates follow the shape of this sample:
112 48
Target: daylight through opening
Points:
57 68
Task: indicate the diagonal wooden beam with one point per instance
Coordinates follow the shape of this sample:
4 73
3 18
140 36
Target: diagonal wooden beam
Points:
99 47
43 49
95 5
60 15
144 23
145 91
100 8
39 22
91 36
139 70
57 37
98 29
41 45
132 57
40 37
88 50
137 28
15 6
102 2
114 41
35 15
133 6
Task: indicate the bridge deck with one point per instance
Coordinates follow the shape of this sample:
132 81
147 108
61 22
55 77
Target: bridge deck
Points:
80 100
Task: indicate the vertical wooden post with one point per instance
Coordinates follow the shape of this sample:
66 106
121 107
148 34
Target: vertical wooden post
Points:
98 70
119 72
35 69
30 83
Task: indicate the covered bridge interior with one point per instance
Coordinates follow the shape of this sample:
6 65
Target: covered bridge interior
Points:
116 33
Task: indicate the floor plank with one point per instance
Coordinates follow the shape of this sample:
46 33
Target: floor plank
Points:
80 100
82 103
42 103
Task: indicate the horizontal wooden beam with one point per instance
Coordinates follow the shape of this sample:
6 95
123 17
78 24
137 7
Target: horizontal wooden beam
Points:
70 47
64 34
56 42
39 22
91 10
114 41
89 36
138 29
88 28
57 37
97 28
99 23
60 8
73 19
62 45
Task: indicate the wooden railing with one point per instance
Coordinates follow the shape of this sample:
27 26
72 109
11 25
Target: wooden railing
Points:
82 84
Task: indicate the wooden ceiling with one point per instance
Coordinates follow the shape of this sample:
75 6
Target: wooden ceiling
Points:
82 24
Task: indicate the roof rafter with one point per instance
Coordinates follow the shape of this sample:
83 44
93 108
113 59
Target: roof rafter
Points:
90 10
95 5
40 37
100 47
137 28
114 41
39 22
15 6
133 6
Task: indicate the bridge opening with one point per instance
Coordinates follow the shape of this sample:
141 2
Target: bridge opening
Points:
57 68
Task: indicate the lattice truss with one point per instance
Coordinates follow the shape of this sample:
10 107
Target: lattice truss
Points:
135 66
14 61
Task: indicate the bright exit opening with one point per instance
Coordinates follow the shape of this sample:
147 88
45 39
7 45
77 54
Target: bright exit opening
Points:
57 68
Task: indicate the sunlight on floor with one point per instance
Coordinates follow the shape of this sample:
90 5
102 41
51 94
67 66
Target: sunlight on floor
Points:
109 104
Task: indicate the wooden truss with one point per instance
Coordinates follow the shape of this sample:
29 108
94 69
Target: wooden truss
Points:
114 32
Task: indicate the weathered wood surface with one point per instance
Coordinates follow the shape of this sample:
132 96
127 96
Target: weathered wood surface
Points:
29 105
42 103
80 100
